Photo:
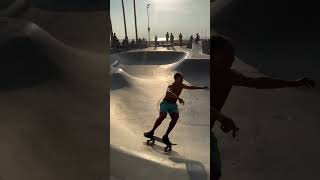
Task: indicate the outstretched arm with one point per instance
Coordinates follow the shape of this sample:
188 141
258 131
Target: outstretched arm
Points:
194 87
269 83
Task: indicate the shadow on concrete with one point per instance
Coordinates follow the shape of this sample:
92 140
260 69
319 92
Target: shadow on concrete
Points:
23 65
195 169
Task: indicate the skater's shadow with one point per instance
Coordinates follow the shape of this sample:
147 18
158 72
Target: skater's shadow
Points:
160 149
195 169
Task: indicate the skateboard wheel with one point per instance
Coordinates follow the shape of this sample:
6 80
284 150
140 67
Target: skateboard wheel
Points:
167 149
149 142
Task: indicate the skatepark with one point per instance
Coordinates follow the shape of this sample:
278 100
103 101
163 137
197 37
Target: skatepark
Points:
278 128
53 93
139 79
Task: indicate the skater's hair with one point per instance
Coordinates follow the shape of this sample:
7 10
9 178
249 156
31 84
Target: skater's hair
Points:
219 42
177 75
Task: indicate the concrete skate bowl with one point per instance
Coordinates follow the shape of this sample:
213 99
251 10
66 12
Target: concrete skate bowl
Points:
113 61
12 7
62 116
278 38
149 57
119 79
195 71
24 64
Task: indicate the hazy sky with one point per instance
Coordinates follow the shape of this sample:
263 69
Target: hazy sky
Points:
185 16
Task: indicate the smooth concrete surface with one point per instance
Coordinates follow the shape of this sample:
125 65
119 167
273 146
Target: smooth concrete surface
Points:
54 98
137 90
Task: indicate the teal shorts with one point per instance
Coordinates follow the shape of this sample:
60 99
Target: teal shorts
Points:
169 107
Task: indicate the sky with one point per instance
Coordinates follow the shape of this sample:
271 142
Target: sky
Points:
177 16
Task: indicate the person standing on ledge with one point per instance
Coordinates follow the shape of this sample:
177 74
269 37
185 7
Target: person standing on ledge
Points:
180 39
171 39
156 42
169 105
167 38
197 38
223 78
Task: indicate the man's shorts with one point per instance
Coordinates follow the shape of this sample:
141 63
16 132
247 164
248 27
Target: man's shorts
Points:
170 107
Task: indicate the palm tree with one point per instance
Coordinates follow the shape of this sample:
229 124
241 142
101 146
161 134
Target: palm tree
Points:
124 19
135 19
111 31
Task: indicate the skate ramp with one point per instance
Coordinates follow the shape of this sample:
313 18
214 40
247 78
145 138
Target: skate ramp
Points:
120 79
54 101
195 71
196 51
113 61
149 57
66 26
25 68
134 109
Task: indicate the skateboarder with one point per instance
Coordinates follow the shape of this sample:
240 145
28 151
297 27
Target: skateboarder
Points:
167 38
224 78
169 105
180 39
171 39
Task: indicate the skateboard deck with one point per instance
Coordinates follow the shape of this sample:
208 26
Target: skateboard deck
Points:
168 147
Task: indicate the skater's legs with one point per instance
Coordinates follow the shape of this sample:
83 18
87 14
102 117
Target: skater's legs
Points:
174 119
161 117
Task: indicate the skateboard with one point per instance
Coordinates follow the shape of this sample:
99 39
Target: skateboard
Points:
168 147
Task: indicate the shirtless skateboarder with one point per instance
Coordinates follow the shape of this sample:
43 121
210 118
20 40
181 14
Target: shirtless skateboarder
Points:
169 105
223 78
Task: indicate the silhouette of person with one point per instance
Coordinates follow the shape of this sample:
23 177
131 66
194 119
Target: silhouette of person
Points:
125 42
171 39
114 40
132 44
197 38
139 43
156 41
144 42
224 78
190 42
169 105
180 39
167 37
